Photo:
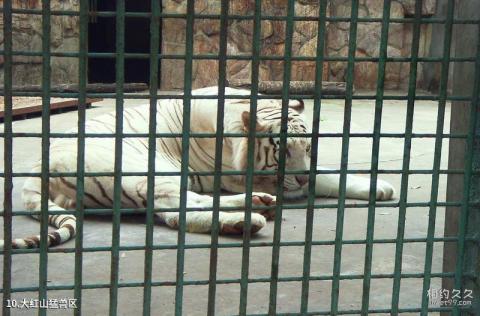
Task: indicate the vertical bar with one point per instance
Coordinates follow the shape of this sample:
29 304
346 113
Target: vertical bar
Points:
352 45
154 84
375 152
79 210
432 214
8 147
222 67
43 267
187 85
412 87
117 169
307 253
250 163
277 229
468 262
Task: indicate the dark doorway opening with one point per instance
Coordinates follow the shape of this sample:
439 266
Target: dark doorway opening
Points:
101 39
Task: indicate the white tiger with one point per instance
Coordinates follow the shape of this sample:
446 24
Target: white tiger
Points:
99 157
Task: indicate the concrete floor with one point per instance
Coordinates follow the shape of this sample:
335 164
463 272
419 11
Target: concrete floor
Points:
97 231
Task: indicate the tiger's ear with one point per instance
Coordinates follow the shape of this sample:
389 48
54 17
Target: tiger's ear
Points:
246 122
297 105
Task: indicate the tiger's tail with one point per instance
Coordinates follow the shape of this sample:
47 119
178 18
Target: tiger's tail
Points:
65 223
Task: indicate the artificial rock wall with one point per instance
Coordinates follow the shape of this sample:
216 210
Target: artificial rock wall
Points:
206 41
27 36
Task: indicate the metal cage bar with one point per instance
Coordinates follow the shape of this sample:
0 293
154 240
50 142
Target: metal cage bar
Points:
344 159
80 207
187 97
152 141
412 85
256 47
222 75
277 228
375 156
319 64
8 161
117 169
45 179
259 97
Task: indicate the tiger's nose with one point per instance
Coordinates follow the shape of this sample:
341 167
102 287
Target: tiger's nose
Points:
302 179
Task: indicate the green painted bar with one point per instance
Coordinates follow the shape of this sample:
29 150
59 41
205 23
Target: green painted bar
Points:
234 57
470 192
307 253
43 266
272 96
292 207
344 159
117 190
7 156
187 97
240 135
217 181
424 20
239 245
79 210
373 311
412 86
277 228
432 214
231 281
257 172
152 141
256 47
377 124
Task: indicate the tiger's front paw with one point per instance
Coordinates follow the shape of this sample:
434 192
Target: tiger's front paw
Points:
234 223
385 191
359 188
264 199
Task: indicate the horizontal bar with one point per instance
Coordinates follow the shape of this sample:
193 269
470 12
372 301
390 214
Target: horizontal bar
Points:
238 97
235 245
112 55
424 20
235 173
212 135
106 211
228 281
375 311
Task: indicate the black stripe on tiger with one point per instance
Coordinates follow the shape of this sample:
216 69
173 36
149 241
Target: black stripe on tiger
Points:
90 196
66 218
70 229
128 197
102 189
54 238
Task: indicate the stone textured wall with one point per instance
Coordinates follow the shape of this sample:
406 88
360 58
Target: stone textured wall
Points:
368 42
27 36
206 41
240 34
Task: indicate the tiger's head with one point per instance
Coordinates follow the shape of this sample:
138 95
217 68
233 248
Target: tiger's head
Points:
267 149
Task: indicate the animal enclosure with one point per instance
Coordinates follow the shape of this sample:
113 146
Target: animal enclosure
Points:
320 255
